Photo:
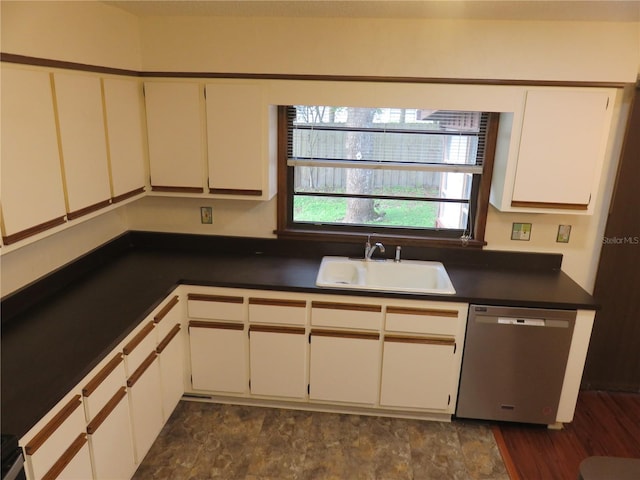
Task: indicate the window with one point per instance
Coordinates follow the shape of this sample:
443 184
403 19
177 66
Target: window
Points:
390 171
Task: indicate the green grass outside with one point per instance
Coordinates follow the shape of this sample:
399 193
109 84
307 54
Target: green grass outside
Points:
404 213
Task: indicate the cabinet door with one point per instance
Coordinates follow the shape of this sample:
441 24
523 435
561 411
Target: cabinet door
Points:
417 373
31 181
174 127
84 144
145 401
60 439
238 142
123 112
278 361
218 356
74 464
344 367
562 147
110 440
171 370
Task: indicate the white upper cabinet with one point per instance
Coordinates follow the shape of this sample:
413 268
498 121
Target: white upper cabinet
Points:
123 113
554 162
241 134
83 142
175 135
32 191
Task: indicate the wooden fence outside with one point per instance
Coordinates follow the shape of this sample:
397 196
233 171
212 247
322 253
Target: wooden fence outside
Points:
322 179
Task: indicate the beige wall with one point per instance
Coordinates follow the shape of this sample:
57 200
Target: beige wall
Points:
573 51
94 33
75 31
242 218
34 260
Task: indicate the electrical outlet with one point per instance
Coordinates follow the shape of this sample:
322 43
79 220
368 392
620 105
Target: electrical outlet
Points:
564 232
521 231
206 215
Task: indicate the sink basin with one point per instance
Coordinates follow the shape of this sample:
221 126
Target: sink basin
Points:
409 276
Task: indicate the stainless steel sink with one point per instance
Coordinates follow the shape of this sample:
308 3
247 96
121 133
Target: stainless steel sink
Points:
409 276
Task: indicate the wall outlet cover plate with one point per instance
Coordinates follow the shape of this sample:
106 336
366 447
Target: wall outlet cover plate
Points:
521 231
206 215
564 232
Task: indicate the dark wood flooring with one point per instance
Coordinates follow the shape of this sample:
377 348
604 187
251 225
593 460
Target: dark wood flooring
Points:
605 424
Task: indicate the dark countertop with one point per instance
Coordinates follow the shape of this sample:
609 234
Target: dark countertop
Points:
48 347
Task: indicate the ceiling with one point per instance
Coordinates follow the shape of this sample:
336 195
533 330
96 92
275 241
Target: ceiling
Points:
549 10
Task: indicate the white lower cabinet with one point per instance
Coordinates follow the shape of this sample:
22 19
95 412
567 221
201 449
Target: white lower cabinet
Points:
344 367
58 448
278 361
218 356
170 350
417 373
145 401
74 464
345 353
110 440
103 431
171 360
109 428
422 355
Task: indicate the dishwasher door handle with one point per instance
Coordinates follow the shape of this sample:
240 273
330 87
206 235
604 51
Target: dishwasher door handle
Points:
532 322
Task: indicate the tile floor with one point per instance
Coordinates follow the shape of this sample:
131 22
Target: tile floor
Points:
213 441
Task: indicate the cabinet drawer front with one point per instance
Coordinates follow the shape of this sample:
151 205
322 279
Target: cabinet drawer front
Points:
215 307
167 317
50 443
99 390
346 315
438 321
286 312
137 350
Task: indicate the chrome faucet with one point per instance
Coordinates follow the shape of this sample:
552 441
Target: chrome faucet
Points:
369 249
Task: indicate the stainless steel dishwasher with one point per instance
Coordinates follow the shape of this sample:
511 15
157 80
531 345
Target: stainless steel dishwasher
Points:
513 363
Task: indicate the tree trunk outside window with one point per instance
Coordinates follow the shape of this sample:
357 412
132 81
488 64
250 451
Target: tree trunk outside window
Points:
359 146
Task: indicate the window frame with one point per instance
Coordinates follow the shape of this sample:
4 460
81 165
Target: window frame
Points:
478 204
